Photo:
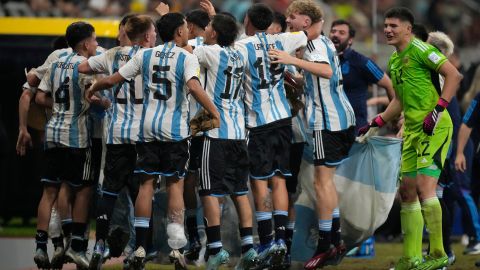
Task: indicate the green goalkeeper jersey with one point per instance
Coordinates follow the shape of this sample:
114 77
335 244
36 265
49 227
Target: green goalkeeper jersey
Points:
411 71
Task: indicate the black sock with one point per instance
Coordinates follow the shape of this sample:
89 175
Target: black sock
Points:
141 231
192 229
214 240
336 231
324 240
149 241
57 241
280 224
265 231
246 236
78 236
106 203
41 239
288 239
67 227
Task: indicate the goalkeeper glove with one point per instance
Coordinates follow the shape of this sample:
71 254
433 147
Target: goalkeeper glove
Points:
432 118
376 122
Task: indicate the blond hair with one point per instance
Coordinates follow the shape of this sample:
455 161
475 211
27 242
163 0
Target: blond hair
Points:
442 42
307 8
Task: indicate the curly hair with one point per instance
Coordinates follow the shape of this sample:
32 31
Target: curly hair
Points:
306 7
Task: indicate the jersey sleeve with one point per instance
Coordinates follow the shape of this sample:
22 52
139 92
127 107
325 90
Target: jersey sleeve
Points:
432 58
192 67
201 54
99 63
133 67
46 83
472 116
41 70
317 53
371 71
293 40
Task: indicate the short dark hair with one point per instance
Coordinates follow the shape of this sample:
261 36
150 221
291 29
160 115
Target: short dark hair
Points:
402 13
59 43
226 28
351 30
260 16
198 17
280 19
168 24
420 31
77 32
125 19
137 26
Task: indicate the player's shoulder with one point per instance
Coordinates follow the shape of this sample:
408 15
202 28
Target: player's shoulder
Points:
100 50
59 53
420 46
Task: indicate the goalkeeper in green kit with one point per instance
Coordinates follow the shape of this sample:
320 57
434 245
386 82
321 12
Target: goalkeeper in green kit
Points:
426 138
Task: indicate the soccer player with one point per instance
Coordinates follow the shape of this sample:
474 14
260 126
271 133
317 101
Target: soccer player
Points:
168 72
268 119
358 71
426 138
330 119
197 20
122 128
67 139
224 163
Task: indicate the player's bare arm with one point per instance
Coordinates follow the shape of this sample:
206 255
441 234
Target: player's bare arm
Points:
200 95
319 69
208 7
102 84
452 80
386 83
24 139
393 110
43 99
463 135
85 68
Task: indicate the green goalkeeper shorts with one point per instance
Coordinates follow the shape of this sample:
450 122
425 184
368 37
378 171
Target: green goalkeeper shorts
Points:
423 154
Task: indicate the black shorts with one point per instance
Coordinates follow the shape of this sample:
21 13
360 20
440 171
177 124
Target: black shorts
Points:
195 153
162 158
72 165
330 148
269 149
224 168
296 156
120 162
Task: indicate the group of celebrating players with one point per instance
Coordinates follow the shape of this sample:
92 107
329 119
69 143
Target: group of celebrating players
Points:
210 110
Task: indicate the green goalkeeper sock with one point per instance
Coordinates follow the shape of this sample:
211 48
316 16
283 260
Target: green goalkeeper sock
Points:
432 213
412 228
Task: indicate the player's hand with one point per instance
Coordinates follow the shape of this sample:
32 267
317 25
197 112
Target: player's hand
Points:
24 141
460 162
106 103
89 95
280 57
376 122
208 7
432 118
162 9
203 121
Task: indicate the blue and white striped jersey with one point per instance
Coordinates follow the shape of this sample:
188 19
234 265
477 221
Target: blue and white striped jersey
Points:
196 42
194 105
68 125
265 97
223 78
299 133
165 71
127 98
327 106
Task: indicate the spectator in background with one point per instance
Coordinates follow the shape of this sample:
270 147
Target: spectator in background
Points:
358 71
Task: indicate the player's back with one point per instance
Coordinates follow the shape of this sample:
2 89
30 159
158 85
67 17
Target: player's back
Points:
68 124
265 97
127 98
327 106
223 79
165 71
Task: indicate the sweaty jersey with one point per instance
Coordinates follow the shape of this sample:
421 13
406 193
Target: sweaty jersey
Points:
327 107
225 70
265 97
165 71
127 98
411 78
68 125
